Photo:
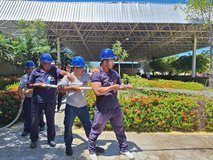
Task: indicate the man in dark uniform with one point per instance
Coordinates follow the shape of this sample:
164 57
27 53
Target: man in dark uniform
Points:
105 85
44 97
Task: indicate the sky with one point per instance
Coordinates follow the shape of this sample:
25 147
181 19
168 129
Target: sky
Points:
198 51
157 1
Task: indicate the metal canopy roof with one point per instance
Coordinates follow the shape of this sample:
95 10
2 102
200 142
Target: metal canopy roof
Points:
95 12
144 29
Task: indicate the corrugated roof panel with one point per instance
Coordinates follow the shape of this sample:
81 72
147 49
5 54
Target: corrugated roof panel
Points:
115 12
71 13
27 11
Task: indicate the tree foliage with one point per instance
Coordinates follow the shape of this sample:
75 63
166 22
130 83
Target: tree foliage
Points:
203 62
174 65
163 65
119 51
202 11
6 49
33 42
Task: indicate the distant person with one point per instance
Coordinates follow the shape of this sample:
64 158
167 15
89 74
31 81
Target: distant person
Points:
59 94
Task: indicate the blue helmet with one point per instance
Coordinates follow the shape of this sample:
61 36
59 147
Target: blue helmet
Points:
78 61
29 64
46 57
107 53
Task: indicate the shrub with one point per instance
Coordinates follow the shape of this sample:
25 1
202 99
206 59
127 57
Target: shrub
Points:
7 81
141 82
209 115
160 111
9 106
202 80
12 87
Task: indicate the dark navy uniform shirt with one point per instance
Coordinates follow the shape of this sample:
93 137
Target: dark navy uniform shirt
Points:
109 100
44 95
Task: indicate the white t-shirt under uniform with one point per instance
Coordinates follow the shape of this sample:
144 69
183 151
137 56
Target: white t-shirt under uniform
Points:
76 98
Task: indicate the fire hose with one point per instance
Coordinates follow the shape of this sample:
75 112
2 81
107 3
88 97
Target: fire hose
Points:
17 117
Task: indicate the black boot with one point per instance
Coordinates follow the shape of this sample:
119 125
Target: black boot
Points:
99 150
41 128
33 144
69 151
52 143
24 133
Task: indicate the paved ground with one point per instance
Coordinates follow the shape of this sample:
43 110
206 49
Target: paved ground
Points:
145 146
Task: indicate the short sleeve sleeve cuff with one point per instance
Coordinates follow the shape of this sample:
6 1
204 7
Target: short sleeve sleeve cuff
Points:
96 77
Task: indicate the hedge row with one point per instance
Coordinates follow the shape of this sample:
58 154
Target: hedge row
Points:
142 82
202 80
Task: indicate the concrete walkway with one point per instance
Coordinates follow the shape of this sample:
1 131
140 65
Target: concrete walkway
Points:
145 146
